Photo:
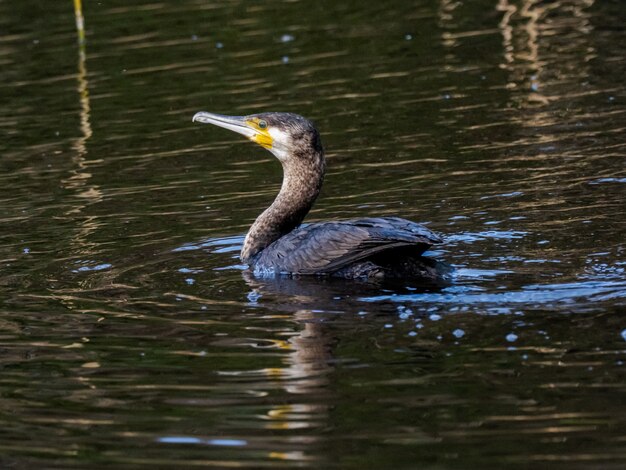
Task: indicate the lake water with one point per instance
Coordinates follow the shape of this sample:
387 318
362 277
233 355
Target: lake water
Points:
131 336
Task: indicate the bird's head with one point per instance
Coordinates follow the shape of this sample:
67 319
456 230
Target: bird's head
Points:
288 136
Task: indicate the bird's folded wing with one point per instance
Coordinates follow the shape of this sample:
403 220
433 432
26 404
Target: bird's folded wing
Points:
327 247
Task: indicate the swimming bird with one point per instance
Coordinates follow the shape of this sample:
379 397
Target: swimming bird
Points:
276 243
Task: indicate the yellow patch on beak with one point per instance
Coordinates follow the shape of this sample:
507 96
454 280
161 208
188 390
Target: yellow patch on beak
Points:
264 139
261 133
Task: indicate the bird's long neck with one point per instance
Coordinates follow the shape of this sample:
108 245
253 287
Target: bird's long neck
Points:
302 181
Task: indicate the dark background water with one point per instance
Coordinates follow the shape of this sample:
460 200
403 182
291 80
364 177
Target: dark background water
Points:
131 336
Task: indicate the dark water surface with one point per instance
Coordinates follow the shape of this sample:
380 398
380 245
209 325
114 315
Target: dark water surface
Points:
131 336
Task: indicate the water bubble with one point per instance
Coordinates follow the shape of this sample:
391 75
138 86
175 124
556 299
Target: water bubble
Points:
404 312
434 317
190 281
219 45
253 296
458 333
624 334
511 337
287 38
285 59
408 37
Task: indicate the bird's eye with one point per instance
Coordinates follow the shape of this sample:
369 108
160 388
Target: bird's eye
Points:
262 124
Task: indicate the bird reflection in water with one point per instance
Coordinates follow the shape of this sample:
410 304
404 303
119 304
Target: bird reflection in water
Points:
276 244
305 372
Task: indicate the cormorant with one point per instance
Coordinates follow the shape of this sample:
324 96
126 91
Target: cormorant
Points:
382 247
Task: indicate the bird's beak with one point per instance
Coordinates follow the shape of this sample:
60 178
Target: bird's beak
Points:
240 124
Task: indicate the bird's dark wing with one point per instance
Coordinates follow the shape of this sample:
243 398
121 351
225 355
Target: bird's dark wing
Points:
323 248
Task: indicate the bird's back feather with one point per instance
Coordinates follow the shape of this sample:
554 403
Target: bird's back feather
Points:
324 248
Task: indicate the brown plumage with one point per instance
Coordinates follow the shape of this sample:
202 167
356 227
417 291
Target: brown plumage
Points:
358 248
